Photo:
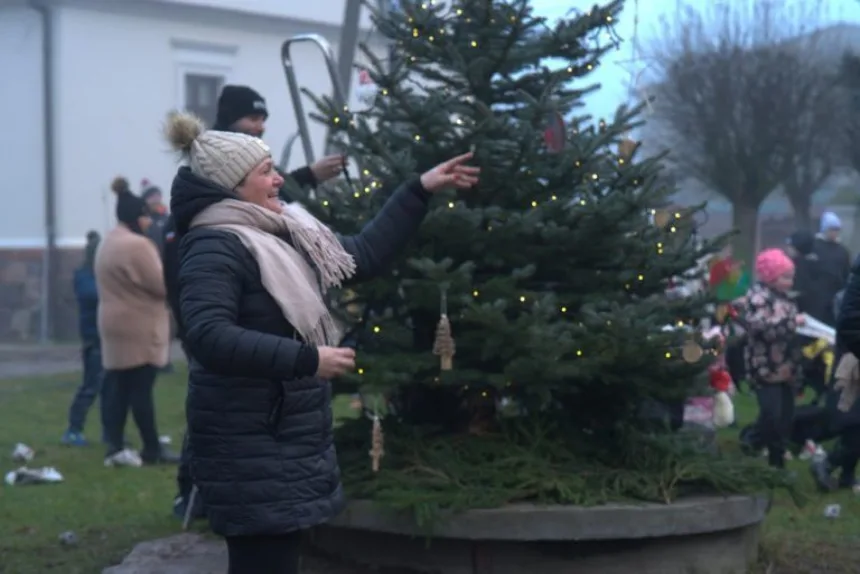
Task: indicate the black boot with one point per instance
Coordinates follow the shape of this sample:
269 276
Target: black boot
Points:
161 456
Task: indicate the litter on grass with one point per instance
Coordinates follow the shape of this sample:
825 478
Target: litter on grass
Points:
24 476
22 453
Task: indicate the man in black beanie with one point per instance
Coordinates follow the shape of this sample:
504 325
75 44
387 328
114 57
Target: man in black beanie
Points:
243 110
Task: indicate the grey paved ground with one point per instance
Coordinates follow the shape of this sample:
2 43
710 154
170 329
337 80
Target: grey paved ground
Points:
194 554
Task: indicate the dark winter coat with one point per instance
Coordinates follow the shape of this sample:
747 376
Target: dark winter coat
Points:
169 243
834 267
847 339
87 295
810 284
156 231
259 421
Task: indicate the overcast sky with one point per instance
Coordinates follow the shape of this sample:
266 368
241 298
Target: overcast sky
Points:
614 76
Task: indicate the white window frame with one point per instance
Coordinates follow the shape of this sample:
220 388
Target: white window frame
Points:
201 58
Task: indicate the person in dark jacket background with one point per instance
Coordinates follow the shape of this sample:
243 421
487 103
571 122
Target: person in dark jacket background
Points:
844 425
263 345
834 261
87 296
808 278
240 110
812 298
154 199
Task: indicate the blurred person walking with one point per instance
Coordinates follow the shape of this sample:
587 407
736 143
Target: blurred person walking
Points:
834 262
134 325
87 295
158 212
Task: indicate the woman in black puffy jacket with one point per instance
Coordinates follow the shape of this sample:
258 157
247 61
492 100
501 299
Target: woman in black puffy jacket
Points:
252 275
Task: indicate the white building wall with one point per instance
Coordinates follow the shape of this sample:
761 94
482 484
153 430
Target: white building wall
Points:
119 73
328 12
22 158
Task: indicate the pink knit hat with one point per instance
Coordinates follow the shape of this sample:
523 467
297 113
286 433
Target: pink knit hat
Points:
771 264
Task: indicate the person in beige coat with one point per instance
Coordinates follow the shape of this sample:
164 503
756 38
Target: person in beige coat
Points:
134 326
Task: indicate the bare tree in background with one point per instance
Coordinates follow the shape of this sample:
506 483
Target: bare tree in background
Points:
849 76
739 103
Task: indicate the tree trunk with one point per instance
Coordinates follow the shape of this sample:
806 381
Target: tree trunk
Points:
745 222
801 203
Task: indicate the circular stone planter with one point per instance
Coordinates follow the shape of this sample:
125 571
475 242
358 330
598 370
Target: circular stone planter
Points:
704 535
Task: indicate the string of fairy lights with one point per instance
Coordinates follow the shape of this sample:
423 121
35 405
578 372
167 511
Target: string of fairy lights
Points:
661 218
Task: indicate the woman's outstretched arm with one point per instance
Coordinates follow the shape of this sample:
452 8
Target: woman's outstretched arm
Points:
384 236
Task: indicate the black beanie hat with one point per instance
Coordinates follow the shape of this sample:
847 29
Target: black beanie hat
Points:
803 241
129 207
237 102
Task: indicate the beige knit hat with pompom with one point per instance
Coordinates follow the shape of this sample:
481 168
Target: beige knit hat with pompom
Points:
222 157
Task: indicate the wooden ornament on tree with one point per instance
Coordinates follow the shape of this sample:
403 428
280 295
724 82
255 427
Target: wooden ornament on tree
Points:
692 352
626 148
444 345
377 444
662 218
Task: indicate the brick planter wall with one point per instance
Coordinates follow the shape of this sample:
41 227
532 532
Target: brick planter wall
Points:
21 295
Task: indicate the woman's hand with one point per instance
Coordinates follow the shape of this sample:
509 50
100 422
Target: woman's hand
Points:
452 173
335 361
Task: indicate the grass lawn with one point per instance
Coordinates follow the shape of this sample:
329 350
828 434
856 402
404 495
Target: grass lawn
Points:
111 509
801 540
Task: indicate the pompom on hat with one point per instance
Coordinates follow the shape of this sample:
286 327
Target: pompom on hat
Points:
771 264
225 158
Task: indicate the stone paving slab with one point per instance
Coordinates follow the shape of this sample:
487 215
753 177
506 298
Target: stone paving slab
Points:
194 554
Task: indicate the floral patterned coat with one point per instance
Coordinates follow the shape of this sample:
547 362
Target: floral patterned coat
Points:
772 352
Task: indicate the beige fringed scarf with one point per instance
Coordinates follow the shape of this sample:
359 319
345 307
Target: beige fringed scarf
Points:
848 381
297 283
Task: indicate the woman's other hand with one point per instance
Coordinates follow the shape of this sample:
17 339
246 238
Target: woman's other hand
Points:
452 173
335 361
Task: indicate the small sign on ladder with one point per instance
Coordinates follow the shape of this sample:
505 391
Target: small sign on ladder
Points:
367 90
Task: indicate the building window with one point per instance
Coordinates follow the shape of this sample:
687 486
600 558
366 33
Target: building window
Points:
201 95
202 69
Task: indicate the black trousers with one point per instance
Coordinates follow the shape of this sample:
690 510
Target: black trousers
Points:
89 391
131 389
279 554
775 419
845 455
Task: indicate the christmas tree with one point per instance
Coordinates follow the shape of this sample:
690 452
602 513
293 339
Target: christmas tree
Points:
519 350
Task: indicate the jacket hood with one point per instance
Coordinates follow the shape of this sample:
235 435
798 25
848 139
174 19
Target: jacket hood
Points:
191 194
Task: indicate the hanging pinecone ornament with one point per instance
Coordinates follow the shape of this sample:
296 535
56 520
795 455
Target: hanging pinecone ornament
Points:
626 148
444 345
377 444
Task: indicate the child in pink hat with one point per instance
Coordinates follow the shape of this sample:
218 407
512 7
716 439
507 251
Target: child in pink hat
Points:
772 354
